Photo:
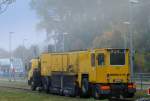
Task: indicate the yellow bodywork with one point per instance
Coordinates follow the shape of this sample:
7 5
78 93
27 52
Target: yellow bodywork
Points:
34 63
52 62
80 63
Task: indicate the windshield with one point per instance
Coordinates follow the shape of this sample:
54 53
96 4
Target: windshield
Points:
117 58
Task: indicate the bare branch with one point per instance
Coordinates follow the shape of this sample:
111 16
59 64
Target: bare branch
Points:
4 5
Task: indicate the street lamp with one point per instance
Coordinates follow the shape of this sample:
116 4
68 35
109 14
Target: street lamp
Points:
10 52
64 41
24 42
125 34
10 43
23 58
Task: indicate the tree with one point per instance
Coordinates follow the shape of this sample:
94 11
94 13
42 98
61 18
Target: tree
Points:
26 54
4 5
84 19
4 53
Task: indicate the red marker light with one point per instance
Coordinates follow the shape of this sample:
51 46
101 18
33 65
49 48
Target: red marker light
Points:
148 91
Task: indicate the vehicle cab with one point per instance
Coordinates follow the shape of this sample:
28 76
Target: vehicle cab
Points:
111 72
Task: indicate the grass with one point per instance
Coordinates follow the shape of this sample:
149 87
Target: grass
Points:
13 84
11 95
16 95
142 94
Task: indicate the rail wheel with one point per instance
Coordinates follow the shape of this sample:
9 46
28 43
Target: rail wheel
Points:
85 88
33 87
95 94
46 85
128 95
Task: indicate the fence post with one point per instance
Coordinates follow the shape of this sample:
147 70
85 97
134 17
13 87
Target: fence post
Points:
141 81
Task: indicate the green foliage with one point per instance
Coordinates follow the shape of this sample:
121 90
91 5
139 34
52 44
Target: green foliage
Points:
142 62
88 21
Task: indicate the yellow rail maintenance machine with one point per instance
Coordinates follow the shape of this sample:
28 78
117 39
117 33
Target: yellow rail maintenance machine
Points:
100 73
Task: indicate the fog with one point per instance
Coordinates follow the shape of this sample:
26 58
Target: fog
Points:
21 20
85 21
56 26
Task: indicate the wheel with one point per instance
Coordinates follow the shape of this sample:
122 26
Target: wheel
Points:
128 95
95 94
33 87
46 84
39 89
85 88
29 82
46 88
61 92
75 92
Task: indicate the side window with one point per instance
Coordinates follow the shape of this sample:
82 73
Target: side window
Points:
100 59
93 59
29 66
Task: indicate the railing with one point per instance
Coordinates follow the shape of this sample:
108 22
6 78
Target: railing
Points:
13 77
142 80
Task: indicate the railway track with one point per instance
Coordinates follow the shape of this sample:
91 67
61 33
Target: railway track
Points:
16 88
121 99
29 90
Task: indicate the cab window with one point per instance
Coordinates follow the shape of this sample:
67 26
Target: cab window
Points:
92 59
117 58
100 59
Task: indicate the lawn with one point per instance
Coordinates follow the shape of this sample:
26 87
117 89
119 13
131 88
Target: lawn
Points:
10 95
17 95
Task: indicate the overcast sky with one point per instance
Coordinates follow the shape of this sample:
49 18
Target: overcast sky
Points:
21 20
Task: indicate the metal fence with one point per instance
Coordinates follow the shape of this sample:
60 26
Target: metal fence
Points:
142 80
13 76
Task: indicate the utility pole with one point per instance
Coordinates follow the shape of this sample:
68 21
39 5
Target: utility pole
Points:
63 42
10 52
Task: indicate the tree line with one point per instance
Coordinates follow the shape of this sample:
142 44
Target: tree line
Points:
96 24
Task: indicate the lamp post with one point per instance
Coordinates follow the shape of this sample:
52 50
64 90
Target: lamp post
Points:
125 36
23 58
10 52
131 3
23 43
64 34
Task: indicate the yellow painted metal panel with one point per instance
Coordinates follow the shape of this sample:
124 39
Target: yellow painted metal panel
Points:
34 64
45 64
80 63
